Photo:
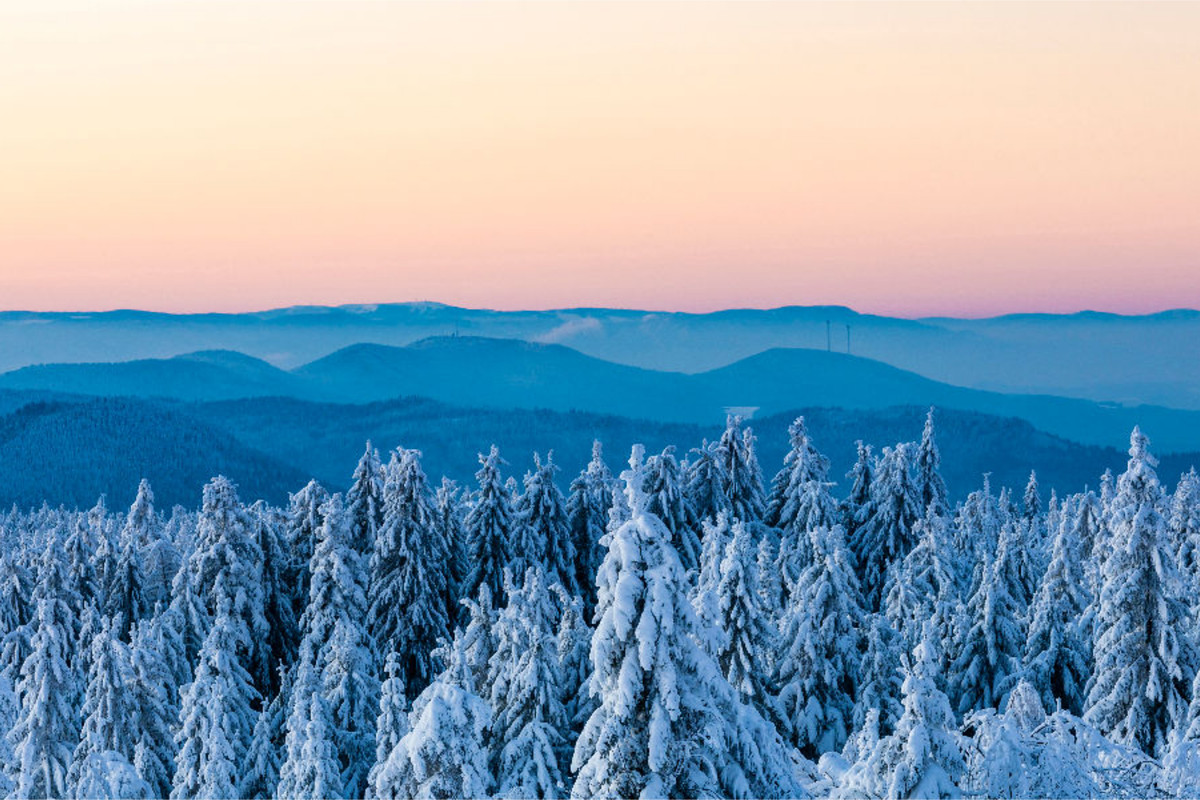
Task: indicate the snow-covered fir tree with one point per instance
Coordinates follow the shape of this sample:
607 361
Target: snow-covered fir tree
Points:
79 548
878 704
741 477
48 727
304 520
1057 649
666 500
650 735
886 530
704 478
544 531
488 530
443 756
1184 524
529 717
278 608
109 716
923 587
152 692
392 723
931 489
336 650
227 549
704 593
364 502
923 757
264 757
588 504
574 643
1145 658
216 719
750 639
800 501
853 508
817 670
311 766
448 520
987 663
409 582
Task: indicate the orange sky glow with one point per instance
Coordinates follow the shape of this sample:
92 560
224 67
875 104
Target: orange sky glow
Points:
902 158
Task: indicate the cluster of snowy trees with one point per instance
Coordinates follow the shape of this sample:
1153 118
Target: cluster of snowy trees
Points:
681 630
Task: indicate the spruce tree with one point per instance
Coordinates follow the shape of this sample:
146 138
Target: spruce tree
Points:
650 734
666 500
364 502
126 599
337 643
817 671
529 718
392 723
923 757
1057 649
854 508
931 489
1145 659
886 532
79 548
800 502
152 691
109 716
227 549
1184 524
215 717
488 530
409 587
310 767
923 588
191 618
588 505
9 711
704 475
304 520
878 703
443 755
282 630
749 639
988 663
466 659
48 727
574 643
741 478
448 520
542 518
1031 505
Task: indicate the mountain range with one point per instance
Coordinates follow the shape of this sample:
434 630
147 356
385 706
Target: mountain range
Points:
1102 357
482 373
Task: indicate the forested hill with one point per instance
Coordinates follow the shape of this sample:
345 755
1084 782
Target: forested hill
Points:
511 374
72 449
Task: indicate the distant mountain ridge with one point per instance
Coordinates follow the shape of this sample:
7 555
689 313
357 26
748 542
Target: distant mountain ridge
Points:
1091 355
477 372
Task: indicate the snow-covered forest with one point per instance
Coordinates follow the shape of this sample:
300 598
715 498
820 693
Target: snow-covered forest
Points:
680 629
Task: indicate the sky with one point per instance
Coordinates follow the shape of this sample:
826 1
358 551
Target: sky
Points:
903 158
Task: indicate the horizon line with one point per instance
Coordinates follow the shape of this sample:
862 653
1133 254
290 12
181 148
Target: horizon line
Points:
367 307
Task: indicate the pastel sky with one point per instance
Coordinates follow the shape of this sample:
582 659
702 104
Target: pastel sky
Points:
931 158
